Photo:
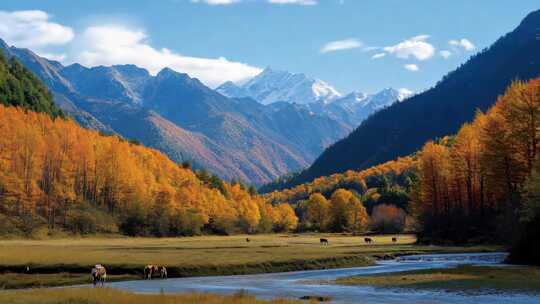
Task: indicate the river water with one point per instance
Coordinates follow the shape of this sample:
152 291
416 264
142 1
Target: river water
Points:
303 283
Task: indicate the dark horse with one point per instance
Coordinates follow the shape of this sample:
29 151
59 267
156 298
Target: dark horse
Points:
394 239
324 242
248 240
368 240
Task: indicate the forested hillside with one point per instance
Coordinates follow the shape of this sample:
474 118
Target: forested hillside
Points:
485 185
374 199
404 127
19 87
56 174
186 120
480 186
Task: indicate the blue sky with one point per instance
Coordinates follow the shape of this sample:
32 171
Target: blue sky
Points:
351 44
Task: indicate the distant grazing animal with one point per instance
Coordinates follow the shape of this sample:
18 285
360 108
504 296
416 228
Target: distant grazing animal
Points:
324 242
152 270
368 240
163 272
99 274
149 271
248 240
394 239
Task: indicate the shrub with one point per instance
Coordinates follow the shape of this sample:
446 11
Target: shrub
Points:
8 227
133 222
187 223
388 219
84 218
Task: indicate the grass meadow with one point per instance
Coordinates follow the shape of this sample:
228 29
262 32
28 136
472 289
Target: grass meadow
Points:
464 278
109 296
36 263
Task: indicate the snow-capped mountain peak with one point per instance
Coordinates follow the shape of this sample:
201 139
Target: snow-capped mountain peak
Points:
404 93
275 85
230 89
324 92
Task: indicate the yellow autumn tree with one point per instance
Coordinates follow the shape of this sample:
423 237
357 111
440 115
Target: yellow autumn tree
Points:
318 211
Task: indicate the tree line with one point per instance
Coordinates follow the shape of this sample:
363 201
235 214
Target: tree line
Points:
375 199
56 175
482 185
19 87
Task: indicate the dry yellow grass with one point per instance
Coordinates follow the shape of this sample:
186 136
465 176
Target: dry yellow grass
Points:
193 251
109 296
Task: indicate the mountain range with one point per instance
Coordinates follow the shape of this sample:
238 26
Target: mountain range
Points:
315 95
404 127
235 136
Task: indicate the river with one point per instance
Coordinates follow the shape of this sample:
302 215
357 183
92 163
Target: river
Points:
302 283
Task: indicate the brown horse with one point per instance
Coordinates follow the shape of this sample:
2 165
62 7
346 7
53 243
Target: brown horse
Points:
394 239
149 271
248 240
99 274
162 272
324 242
368 240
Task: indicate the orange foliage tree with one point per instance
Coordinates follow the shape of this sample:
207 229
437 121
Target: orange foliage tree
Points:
473 187
50 168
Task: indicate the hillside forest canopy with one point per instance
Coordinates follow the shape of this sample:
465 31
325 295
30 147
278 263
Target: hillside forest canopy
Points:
480 185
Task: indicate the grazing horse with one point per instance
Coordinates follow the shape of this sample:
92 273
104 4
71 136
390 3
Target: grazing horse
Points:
99 274
394 239
324 242
162 272
149 271
368 240
248 240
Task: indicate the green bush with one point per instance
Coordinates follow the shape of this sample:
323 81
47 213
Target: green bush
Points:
133 222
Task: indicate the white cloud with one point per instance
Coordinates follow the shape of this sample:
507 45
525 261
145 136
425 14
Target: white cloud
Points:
411 67
466 44
445 54
216 2
115 44
32 29
378 55
415 47
341 45
298 2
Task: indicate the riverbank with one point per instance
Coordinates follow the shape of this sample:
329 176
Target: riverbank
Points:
27 263
463 279
107 296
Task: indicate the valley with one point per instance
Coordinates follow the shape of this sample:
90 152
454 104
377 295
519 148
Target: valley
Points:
64 261
167 152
